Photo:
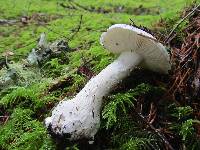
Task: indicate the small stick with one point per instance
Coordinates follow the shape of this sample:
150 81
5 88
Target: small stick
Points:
51 30
9 22
180 21
6 120
82 7
3 116
78 28
181 81
156 131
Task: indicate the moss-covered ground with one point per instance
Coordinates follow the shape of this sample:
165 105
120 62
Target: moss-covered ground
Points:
24 106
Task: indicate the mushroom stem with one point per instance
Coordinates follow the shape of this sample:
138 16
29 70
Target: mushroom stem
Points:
109 77
80 116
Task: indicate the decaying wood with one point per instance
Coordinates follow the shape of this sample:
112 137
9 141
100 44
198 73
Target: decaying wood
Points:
7 22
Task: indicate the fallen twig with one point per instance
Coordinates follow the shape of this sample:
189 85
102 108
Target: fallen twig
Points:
155 130
9 22
179 22
5 119
51 30
77 28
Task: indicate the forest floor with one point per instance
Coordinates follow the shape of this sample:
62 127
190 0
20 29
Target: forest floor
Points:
166 107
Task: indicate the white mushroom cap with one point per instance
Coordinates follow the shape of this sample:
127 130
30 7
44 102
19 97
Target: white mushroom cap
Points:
121 37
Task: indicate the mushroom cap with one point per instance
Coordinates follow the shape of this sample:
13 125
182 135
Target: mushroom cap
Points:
121 37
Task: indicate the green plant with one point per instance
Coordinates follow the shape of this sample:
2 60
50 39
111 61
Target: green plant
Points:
180 112
121 102
26 97
23 132
187 128
140 144
129 134
117 102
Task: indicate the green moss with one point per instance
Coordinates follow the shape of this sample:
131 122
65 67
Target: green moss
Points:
181 112
27 97
20 97
23 132
79 81
21 38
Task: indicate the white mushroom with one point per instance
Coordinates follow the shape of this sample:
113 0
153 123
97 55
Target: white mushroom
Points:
80 116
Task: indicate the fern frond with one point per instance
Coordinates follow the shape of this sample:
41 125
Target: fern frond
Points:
140 144
118 102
